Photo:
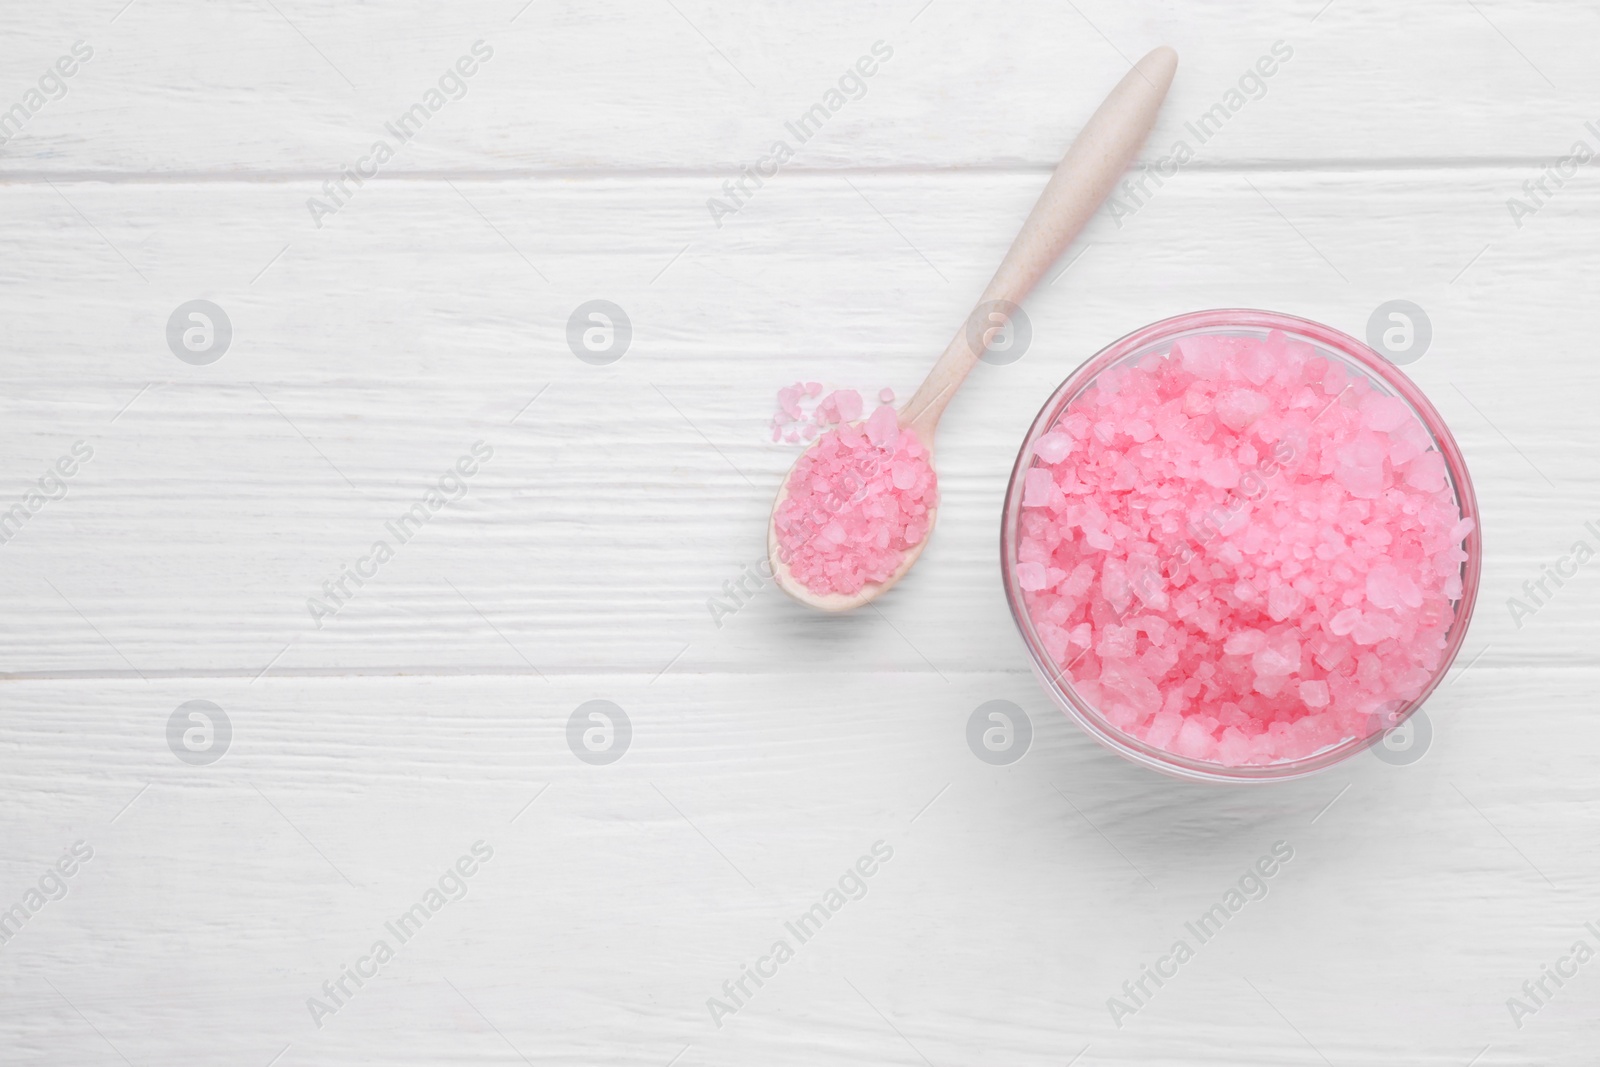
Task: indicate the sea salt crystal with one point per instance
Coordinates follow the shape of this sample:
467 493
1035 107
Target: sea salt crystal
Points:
1384 413
883 427
1280 656
801 416
1037 486
1124 685
1117 642
846 405
1388 587
1053 447
1238 408
1240 548
1315 694
1244 642
1284 601
1426 472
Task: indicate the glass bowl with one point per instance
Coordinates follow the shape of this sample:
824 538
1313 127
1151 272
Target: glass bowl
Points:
1158 338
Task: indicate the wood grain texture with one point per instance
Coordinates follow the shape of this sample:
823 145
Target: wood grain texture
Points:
771 747
1017 900
249 87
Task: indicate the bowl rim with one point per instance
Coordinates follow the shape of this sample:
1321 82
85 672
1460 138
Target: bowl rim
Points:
1216 320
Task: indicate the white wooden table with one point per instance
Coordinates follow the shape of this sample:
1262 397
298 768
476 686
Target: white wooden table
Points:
366 756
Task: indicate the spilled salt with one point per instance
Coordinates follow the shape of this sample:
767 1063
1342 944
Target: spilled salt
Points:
804 411
857 500
1239 553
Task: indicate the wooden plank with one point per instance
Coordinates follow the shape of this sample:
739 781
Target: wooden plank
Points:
297 88
1016 902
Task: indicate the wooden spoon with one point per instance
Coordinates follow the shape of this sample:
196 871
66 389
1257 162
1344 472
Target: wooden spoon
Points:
1081 182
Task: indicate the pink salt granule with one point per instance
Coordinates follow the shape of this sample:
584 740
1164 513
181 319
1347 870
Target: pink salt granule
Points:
804 411
856 502
1239 552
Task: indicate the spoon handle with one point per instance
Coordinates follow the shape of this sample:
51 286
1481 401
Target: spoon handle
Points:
1081 182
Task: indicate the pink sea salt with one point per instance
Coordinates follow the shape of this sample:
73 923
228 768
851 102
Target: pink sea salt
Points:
803 411
856 502
1239 552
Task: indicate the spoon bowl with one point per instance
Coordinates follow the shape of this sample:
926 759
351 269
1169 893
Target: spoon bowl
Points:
785 578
